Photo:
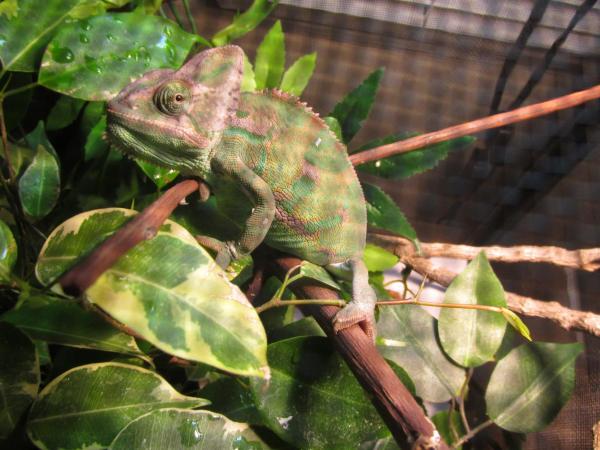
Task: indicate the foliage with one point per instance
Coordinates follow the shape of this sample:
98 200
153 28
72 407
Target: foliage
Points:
165 331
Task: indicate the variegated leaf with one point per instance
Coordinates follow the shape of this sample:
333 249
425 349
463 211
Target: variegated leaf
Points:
167 289
91 404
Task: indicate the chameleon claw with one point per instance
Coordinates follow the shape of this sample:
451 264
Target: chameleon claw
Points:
355 313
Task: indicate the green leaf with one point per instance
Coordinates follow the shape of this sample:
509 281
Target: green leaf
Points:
8 251
16 106
9 8
95 145
270 59
312 396
334 126
24 37
95 58
406 165
19 376
298 75
91 404
66 323
382 212
355 107
160 176
92 114
406 335
449 425
39 186
314 272
245 22
472 337
167 289
307 326
530 385
87 8
248 79
179 429
232 397
378 259
516 322
64 112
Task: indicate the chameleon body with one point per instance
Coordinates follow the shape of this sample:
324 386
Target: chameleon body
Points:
274 166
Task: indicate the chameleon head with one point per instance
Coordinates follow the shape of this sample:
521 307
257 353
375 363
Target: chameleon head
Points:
176 118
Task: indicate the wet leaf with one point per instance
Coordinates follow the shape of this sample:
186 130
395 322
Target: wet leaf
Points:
167 289
66 323
23 37
160 176
382 212
93 59
406 335
472 337
64 112
270 59
378 259
39 186
313 400
8 251
245 22
180 429
406 165
356 106
91 404
530 385
298 75
19 376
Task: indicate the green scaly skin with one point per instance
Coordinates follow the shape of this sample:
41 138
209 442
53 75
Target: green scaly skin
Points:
273 165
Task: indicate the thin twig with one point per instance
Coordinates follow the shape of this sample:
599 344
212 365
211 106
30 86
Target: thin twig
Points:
472 433
276 302
475 126
190 17
567 318
587 259
11 171
461 399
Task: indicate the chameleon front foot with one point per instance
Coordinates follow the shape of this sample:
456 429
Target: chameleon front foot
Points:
356 313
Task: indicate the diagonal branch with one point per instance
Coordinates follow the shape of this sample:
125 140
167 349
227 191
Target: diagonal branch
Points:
486 123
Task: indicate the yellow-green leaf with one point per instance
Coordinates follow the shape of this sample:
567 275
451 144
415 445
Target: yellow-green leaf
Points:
167 289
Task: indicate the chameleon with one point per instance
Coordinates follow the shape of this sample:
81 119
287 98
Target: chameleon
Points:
274 166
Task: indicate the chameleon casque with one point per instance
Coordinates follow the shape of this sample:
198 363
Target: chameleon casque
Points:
274 166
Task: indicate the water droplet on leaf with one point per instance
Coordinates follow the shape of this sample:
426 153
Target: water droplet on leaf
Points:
62 54
83 38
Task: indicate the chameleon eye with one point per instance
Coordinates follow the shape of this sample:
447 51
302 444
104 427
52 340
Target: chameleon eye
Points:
170 98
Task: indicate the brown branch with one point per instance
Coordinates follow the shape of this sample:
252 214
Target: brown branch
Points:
583 259
567 318
475 126
402 414
398 408
142 227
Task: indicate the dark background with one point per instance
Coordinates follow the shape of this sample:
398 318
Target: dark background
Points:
535 183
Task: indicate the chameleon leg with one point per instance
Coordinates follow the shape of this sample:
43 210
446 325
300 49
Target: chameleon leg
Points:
361 309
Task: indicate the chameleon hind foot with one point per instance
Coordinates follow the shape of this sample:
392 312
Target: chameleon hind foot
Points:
356 313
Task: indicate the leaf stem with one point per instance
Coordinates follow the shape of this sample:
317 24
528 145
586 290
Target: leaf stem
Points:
11 171
472 433
461 399
413 301
20 89
190 17
175 13
277 302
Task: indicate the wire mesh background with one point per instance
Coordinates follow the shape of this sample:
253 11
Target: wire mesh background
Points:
450 61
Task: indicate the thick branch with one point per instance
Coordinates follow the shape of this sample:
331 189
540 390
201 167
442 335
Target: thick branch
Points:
398 408
584 259
142 227
475 126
